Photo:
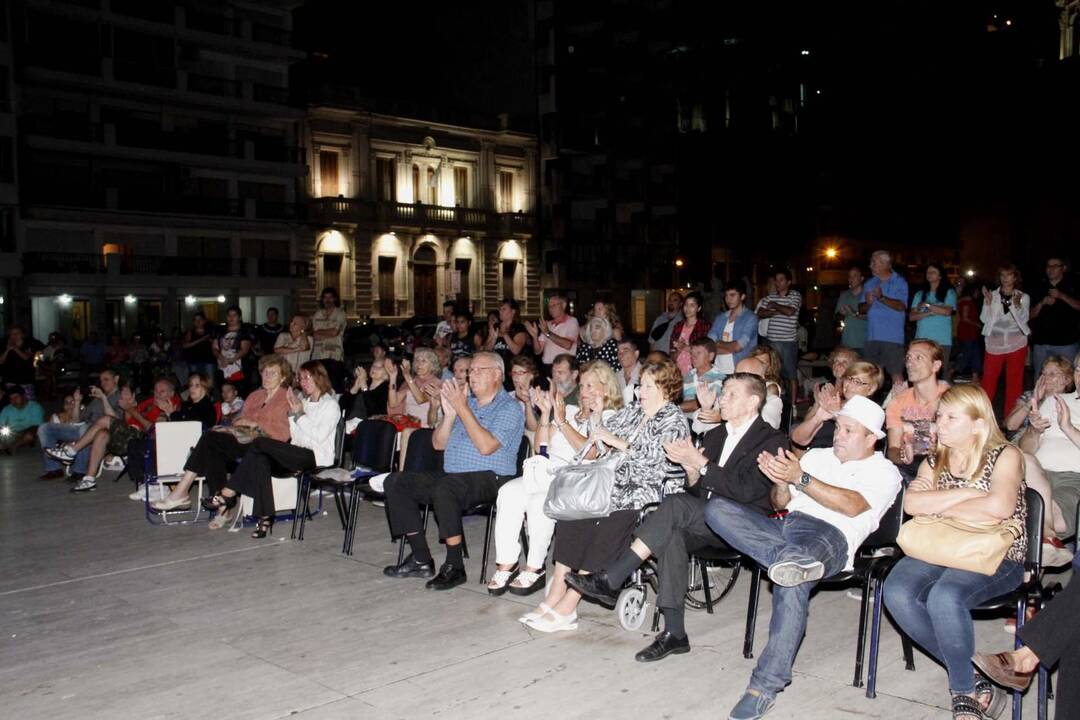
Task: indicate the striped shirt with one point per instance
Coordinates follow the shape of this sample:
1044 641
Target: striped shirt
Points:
783 328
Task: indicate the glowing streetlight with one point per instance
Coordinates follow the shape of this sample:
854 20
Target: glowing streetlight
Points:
831 253
970 273
189 300
679 262
221 298
130 299
64 300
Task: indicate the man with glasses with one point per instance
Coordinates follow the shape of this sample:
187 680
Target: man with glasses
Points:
1055 318
560 335
480 434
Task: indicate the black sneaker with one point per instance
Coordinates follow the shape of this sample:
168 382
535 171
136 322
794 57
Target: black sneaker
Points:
410 568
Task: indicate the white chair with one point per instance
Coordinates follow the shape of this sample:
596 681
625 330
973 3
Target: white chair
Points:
173 442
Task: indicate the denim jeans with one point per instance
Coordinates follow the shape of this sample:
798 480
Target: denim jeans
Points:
768 541
932 604
1039 353
49 434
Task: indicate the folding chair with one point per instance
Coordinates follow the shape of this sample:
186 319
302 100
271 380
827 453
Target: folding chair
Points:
375 448
172 443
489 508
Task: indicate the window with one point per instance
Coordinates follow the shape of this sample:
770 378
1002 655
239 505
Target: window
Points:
506 191
328 173
416 189
509 275
5 89
385 180
432 187
462 267
331 275
7 159
461 186
386 285
7 229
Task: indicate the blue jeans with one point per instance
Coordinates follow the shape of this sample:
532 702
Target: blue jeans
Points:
788 350
1039 354
768 541
932 604
49 434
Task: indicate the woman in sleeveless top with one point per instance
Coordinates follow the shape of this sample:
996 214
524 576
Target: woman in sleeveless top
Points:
975 475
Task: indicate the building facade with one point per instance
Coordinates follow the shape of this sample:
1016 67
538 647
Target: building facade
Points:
158 163
408 214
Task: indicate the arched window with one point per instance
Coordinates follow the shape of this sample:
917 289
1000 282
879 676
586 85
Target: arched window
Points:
425 282
416 189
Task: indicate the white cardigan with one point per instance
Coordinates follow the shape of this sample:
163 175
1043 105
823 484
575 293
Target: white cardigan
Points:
992 312
316 428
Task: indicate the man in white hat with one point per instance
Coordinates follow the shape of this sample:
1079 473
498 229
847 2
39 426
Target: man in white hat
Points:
835 497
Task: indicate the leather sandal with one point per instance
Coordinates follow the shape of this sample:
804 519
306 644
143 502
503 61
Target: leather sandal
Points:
997 699
530 582
501 580
965 707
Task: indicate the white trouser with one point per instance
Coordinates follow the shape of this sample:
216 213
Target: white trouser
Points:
514 504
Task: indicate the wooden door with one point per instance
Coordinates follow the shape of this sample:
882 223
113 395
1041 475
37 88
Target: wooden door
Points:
424 296
328 173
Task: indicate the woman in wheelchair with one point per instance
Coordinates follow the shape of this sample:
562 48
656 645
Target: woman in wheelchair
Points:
313 422
976 475
563 429
265 413
644 476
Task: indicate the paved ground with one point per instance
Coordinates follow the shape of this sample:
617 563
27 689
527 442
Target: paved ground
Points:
104 616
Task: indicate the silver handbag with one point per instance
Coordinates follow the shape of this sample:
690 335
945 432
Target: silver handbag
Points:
583 490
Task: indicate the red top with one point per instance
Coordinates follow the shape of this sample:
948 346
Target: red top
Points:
968 328
150 411
272 416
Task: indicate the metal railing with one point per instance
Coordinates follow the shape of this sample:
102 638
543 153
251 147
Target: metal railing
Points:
395 213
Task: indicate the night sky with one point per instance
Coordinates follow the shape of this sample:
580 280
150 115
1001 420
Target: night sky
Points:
924 117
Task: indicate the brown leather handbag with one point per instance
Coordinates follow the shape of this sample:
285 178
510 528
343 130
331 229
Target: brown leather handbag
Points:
962 544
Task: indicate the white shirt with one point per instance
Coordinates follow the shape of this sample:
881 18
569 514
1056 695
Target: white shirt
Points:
725 362
1057 452
560 450
734 435
773 410
316 428
568 329
628 387
875 478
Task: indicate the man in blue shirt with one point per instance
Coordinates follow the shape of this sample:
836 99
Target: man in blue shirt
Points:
480 435
885 302
19 420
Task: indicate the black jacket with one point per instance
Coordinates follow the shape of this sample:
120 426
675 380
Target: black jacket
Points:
740 479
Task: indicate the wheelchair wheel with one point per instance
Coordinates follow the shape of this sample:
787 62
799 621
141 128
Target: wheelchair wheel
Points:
632 607
721 579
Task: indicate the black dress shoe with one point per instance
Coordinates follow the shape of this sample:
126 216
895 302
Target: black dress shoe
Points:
594 586
410 568
663 645
52 475
448 577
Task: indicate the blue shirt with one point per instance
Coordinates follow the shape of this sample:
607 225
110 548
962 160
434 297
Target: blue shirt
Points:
713 378
854 335
31 415
745 332
503 418
935 327
884 324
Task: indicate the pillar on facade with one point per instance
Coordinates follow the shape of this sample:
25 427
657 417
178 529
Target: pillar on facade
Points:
486 172
361 160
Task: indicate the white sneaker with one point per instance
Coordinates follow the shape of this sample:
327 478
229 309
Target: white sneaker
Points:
553 622
62 453
138 496
86 484
114 463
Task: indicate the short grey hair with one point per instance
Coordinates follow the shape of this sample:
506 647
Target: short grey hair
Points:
432 358
882 254
495 358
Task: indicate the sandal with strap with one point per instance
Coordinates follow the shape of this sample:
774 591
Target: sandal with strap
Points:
530 582
530 616
501 580
266 525
219 502
965 707
996 698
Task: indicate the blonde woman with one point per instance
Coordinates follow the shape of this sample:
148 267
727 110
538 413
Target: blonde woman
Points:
598 342
420 382
295 344
974 475
562 431
817 428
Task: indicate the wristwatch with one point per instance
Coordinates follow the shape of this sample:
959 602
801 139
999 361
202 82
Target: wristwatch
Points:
703 469
804 479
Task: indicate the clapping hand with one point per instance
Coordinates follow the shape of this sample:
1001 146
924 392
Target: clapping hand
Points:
828 398
783 468
454 399
558 404
710 416
406 366
706 396
531 328
542 400
1063 413
685 454
296 405
987 295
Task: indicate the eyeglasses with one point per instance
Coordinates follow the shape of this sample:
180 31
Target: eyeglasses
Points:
1055 264
857 381
475 369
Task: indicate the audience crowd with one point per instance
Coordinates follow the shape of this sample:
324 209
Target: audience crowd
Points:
697 445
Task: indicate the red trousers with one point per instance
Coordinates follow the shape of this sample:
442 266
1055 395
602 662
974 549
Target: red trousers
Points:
1014 376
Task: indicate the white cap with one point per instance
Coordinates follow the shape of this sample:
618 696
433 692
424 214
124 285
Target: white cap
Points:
866 412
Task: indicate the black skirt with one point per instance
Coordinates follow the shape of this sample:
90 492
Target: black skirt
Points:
592 545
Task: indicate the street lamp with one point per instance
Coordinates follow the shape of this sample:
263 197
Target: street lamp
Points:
831 253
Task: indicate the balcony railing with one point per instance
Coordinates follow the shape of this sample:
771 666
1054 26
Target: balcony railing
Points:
159 265
328 210
212 85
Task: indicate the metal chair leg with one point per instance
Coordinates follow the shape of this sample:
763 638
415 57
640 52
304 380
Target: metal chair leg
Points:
860 644
751 613
487 543
301 508
703 569
875 636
